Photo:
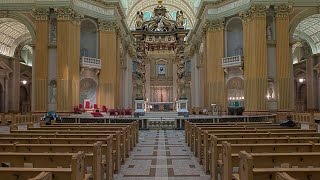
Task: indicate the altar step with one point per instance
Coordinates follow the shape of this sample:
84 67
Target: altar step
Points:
170 114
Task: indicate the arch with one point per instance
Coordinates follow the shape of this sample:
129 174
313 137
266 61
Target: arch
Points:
89 37
234 37
147 5
304 31
300 17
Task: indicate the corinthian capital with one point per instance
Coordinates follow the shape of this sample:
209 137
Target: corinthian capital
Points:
259 10
283 10
214 25
254 11
63 13
41 14
107 25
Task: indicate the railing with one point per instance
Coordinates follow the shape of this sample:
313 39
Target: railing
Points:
232 61
90 62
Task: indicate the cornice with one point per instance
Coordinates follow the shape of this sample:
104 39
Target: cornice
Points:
40 14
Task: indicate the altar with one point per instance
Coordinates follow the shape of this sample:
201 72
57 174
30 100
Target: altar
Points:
161 106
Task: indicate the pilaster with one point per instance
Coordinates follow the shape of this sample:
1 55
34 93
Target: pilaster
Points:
68 57
108 53
283 61
255 59
40 63
214 40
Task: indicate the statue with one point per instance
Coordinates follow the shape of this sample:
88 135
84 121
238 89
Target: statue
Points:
160 26
139 20
179 19
269 32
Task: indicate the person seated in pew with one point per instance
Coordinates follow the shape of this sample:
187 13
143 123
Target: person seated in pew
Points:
289 122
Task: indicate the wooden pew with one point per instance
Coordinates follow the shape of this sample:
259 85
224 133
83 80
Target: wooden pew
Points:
283 176
53 160
119 141
207 138
129 140
93 151
230 159
199 144
113 142
43 176
75 172
216 152
134 126
248 170
190 127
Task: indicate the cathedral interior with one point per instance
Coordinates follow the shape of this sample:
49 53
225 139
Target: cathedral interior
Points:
170 63
262 56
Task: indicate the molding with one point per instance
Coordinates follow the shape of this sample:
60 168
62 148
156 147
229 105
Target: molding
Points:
283 10
68 14
107 25
40 14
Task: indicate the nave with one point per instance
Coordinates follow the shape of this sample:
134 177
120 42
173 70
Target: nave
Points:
161 155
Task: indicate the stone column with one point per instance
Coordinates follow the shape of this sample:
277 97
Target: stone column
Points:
283 60
255 59
108 55
40 63
14 86
214 71
68 58
310 84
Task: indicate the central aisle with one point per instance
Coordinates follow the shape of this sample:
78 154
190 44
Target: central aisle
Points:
161 155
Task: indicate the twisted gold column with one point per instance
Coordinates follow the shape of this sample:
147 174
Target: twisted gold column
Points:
283 63
255 59
41 60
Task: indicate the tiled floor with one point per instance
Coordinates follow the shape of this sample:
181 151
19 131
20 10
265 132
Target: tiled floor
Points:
161 155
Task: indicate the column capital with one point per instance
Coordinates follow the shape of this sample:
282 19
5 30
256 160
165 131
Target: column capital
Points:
215 25
41 14
259 11
68 14
282 10
107 25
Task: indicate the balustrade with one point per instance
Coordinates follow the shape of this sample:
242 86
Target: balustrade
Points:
90 62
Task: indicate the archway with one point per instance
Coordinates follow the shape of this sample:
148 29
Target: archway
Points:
234 37
89 39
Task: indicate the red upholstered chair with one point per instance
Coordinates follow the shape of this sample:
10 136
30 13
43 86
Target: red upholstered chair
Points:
104 109
81 107
128 112
76 110
87 104
95 107
113 112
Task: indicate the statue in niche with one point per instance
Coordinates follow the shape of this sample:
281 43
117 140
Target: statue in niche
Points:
53 85
139 20
179 18
269 32
270 92
53 30
160 26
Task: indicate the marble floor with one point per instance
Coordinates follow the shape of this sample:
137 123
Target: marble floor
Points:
161 155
